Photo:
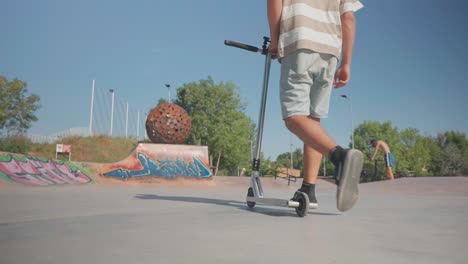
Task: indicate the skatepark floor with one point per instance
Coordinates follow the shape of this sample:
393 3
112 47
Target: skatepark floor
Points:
409 220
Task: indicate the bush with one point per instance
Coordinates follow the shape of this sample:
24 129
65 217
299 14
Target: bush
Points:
15 144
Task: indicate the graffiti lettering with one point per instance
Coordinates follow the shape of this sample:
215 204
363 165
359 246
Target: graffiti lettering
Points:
34 171
163 168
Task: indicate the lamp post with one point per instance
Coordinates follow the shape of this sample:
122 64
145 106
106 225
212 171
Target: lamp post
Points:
251 149
351 116
138 125
291 151
91 112
169 92
146 133
112 111
126 122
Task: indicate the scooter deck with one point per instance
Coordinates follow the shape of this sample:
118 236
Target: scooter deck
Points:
273 201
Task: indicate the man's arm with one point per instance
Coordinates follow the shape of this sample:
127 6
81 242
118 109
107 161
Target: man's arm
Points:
377 146
274 17
348 28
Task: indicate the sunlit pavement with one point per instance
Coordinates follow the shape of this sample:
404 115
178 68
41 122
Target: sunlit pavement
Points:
410 220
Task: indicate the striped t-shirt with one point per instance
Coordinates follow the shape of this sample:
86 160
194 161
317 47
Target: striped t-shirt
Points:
313 25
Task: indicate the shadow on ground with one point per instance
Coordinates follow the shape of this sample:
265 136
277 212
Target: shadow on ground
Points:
262 209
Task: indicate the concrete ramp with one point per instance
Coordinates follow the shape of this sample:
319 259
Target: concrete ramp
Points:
161 161
32 171
146 162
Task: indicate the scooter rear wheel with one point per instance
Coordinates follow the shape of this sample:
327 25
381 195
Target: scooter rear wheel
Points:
250 193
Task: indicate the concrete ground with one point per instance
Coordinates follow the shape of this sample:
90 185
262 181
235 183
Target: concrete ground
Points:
410 220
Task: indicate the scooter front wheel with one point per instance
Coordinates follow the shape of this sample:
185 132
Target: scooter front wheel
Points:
303 200
250 193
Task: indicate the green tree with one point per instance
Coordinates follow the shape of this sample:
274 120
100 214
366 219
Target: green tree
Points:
435 161
372 129
417 153
284 159
447 154
267 166
454 153
218 121
162 101
385 131
16 108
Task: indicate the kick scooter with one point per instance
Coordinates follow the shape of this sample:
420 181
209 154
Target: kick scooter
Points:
255 192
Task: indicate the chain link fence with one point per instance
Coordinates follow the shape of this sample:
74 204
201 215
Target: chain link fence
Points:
109 115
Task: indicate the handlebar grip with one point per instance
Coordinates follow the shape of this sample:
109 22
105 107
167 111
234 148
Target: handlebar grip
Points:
241 46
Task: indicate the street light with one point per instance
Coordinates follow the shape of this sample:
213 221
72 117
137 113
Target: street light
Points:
351 116
112 111
138 125
146 132
91 112
291 151
126 122
169 91
251 149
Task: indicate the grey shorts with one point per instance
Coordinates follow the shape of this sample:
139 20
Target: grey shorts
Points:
306 82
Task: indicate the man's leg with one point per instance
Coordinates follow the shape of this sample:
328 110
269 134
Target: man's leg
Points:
390 173
348 162
306 84
309 130
312 159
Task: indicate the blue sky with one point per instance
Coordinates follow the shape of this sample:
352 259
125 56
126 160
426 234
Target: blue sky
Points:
409 63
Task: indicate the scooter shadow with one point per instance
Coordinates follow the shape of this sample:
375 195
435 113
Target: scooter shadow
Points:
261 209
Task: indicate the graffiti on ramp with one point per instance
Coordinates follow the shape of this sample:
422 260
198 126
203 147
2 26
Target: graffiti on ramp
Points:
162 161
40 172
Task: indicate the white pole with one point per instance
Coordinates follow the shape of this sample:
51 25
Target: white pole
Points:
126 122
112 112
352 124
290 150
169 92
138 125
351 117
91 112
324 166
251 149
146 133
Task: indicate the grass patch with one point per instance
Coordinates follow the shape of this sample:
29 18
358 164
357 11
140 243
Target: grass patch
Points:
100 149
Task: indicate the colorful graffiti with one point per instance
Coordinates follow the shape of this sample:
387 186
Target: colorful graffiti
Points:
40 172
163 168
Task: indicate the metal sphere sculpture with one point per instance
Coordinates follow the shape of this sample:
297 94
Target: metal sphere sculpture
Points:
168 124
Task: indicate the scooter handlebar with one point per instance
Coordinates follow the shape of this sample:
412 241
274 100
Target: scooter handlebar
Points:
242 46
